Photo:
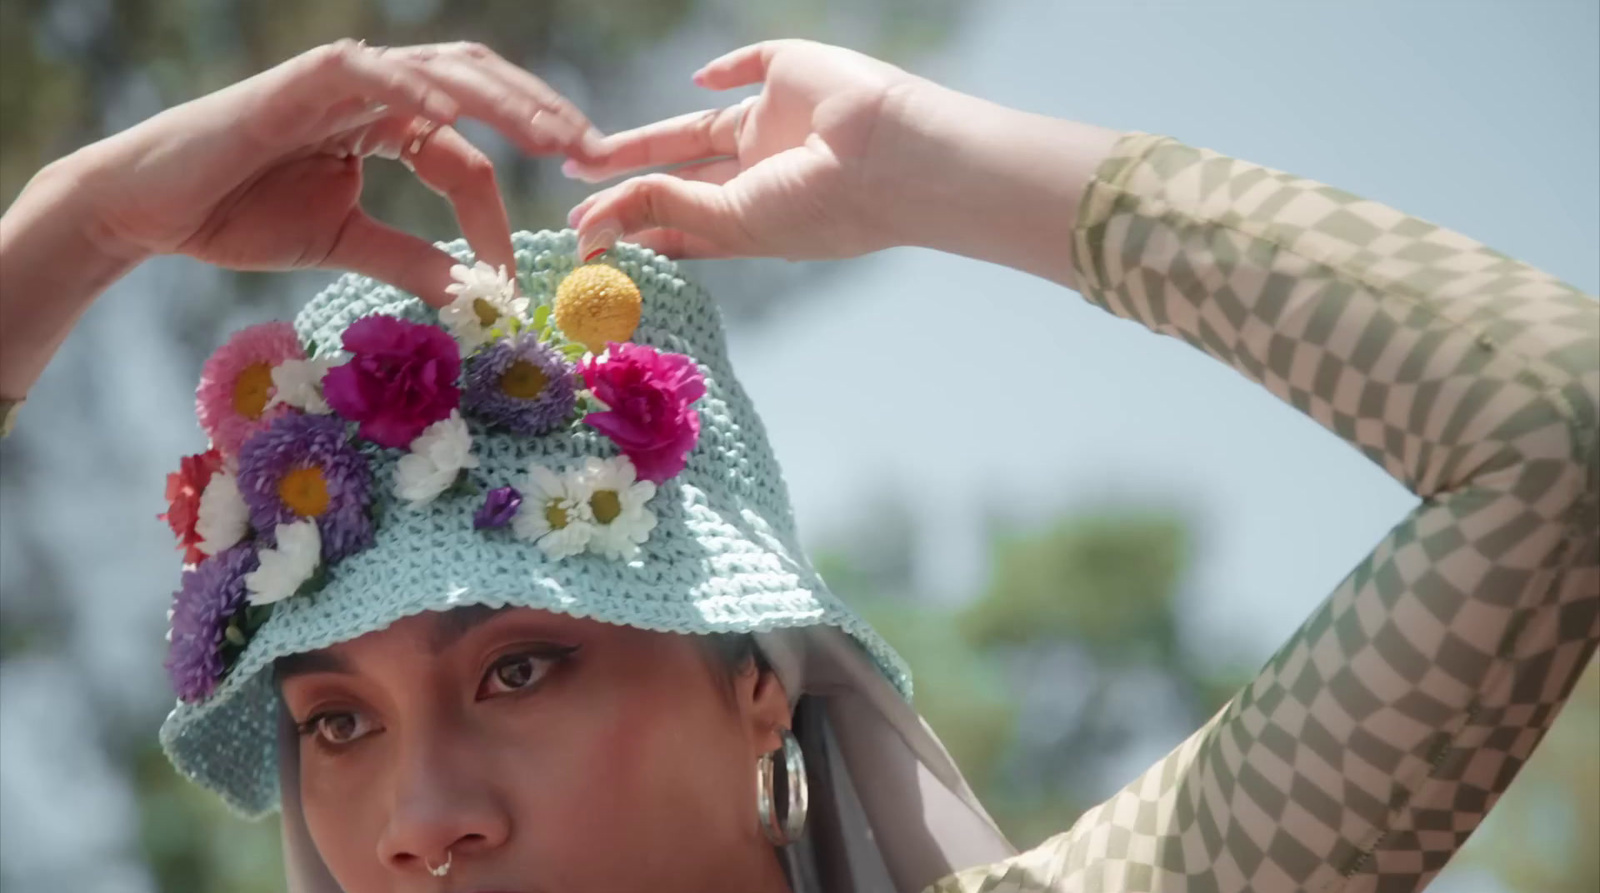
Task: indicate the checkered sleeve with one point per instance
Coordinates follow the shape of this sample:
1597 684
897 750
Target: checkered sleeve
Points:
1376 739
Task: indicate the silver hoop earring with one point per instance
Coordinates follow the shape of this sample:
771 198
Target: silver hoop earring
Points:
442 870
794 819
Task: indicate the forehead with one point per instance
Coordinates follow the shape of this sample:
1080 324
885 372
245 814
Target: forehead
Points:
432 631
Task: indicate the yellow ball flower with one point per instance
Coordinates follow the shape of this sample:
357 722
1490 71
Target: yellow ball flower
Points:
595 304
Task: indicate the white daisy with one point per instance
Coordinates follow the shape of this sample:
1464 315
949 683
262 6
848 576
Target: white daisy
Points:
437 456
554 512
285 569
223 519
299 384
484 297
617 500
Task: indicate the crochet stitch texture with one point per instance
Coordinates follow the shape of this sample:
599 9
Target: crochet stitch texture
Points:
724 556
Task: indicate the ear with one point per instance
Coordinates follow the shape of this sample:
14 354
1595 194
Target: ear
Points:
764 703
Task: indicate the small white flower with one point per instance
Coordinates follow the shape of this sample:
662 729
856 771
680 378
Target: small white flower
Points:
223 519
299 384
484 297
285 569
617 500
435 461
554 512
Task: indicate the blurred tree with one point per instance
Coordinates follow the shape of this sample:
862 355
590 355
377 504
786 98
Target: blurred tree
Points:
1025 683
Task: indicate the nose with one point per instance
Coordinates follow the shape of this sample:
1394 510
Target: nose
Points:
442 808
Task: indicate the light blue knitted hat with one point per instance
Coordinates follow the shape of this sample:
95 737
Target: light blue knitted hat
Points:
722 557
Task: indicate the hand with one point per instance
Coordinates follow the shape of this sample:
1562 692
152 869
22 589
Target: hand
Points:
801 168
266 174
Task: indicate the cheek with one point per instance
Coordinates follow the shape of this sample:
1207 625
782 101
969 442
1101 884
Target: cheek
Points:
344 824
658 777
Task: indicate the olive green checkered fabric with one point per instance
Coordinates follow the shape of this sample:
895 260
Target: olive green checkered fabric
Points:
1372 743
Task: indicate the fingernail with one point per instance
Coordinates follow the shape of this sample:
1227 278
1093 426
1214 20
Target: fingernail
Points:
574 215
593 142
599 240
571 170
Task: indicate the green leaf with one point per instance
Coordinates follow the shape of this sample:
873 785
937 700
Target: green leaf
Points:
541 316
572 350
255 616
463 485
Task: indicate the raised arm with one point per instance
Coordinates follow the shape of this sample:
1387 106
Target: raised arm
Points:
1376 739
266 174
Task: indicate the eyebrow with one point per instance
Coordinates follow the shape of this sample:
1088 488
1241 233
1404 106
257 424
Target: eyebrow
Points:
447 629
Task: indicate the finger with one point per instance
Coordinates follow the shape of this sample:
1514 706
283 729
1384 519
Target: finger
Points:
717 172
678 244
523 119
331 75
459 171
556 124
658 201
689 137
410 264
552 100
384 138
741 67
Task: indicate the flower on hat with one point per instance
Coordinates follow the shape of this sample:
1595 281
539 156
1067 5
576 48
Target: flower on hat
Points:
304 467
185 488
616 502
224 519
236 383
499 507
554 512
400 379
597 303
649 397
286 567
207 599
435 461
485 297
520 384
298 383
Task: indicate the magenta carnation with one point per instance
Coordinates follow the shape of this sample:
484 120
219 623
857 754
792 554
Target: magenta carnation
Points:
650 397
400 379
236 383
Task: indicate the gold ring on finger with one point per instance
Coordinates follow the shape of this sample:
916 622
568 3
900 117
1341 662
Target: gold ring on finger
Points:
419 139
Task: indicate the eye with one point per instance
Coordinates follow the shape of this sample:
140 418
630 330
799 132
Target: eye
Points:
520 672
336 728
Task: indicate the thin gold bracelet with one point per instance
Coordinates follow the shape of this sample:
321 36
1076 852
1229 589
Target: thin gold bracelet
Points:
8 414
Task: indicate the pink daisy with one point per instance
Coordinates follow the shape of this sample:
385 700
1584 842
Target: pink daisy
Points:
236 383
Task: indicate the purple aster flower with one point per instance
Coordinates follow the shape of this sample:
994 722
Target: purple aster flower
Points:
210 594
499 507
521 385
304 466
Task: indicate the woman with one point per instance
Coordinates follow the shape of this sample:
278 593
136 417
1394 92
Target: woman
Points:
535 749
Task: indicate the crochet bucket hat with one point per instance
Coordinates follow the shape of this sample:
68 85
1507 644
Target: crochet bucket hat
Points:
565 436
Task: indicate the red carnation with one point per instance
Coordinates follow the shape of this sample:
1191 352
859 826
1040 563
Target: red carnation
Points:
184 488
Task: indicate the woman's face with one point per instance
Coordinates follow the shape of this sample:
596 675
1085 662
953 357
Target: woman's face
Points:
549 754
